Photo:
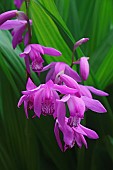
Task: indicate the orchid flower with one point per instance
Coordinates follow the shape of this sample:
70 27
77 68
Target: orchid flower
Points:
57 68
19 27
44 97
34 51
73 132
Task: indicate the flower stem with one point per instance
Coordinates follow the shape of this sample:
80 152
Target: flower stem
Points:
29 34
28 22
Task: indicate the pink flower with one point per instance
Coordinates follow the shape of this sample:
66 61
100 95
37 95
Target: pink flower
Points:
43 98
73 132
58 68
18 27
34 51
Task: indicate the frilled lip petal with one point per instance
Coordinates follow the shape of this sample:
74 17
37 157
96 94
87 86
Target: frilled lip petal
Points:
76 106
7 16
97 92
51 51
89 133
93 105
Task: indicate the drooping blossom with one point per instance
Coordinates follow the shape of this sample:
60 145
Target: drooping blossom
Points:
73 132
57 68
43 98
18 27
18 3
34 51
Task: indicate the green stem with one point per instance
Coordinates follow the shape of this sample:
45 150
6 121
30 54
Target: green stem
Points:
29 32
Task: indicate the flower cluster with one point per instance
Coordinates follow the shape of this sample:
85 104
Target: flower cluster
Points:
63 87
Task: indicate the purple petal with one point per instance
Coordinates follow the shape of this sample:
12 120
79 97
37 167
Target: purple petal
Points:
26 39
22 99
65 98
70 82
18 34
85 91
78 139
60 66
25 108
81 41
68 134
50 74
56 97
94 105
7 16
37 102
61 112
97 92
10 24
51 51
57 135
79 130
49 66
18 3
84 68
30 85
64 89
26 51
37 48
89 133
32 90
70 72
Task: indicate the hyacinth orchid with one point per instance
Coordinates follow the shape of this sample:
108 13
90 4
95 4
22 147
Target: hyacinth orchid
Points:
73 132
34 51
18 3
57 68
43 97
18 27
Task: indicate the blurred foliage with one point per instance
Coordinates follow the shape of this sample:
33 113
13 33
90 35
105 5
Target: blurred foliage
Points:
30 144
